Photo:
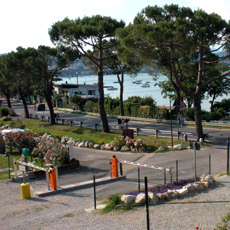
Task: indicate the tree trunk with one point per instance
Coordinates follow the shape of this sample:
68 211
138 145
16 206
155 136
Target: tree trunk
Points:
121 95
27 115
101 107
198 117
6 92
24 102
48 97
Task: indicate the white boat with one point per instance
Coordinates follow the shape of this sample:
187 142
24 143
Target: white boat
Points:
112 88
137 81
145 85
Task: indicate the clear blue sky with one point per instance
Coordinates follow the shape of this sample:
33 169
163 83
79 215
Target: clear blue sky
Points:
26 22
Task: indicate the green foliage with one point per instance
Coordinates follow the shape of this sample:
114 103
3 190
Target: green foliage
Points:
91 106
189 114
4 111
141 101
224 104
225 223
217 114
76 100
17 124
114 202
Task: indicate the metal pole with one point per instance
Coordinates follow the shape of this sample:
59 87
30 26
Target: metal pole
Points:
227 155
176 170
121 169
94 192
194 147
171 122
170 172
9 164
209 164
181 135
164 175
147 202
139 187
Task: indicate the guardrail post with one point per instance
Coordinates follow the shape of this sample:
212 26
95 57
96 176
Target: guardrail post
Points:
96 126
36 116
81 123
62 122
185 137
71 123
156 133
138 129
178 135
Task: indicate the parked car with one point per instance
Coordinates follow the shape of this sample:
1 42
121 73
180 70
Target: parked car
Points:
40 107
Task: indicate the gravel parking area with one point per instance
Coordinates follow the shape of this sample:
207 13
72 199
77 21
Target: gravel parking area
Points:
67 211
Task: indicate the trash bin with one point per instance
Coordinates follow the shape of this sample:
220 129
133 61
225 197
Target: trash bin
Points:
25 152
127 132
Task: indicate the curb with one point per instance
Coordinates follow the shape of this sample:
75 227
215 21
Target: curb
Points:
80 185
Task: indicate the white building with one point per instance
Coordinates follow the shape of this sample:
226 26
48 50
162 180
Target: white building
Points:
83 90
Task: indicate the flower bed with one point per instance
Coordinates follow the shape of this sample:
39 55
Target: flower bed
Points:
170 191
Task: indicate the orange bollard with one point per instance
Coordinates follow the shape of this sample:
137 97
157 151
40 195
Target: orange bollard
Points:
53 182
114 166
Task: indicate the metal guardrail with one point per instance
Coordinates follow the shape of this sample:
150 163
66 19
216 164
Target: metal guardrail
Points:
154 132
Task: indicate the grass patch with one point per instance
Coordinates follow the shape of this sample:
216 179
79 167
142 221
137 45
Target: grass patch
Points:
115 203
4 165
67 215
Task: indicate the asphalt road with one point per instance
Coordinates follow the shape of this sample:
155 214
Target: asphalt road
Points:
96 162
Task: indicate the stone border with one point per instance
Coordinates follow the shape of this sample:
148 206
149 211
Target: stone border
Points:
206 181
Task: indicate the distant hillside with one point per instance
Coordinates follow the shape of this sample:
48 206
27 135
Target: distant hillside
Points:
77 67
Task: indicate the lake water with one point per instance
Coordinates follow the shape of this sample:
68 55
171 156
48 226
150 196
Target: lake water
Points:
131 89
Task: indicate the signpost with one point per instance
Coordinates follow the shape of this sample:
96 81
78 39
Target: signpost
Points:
181 119
195 146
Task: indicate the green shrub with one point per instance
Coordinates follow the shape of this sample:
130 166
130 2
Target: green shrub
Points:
4 112
17 124
113 203
189 114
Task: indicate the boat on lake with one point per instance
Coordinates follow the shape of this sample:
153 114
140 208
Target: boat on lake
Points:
137 81
145 85
112 88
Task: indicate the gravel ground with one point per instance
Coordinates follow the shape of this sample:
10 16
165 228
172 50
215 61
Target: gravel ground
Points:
67 211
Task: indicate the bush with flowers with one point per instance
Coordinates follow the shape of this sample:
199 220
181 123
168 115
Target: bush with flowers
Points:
128 141
20 140
51 150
